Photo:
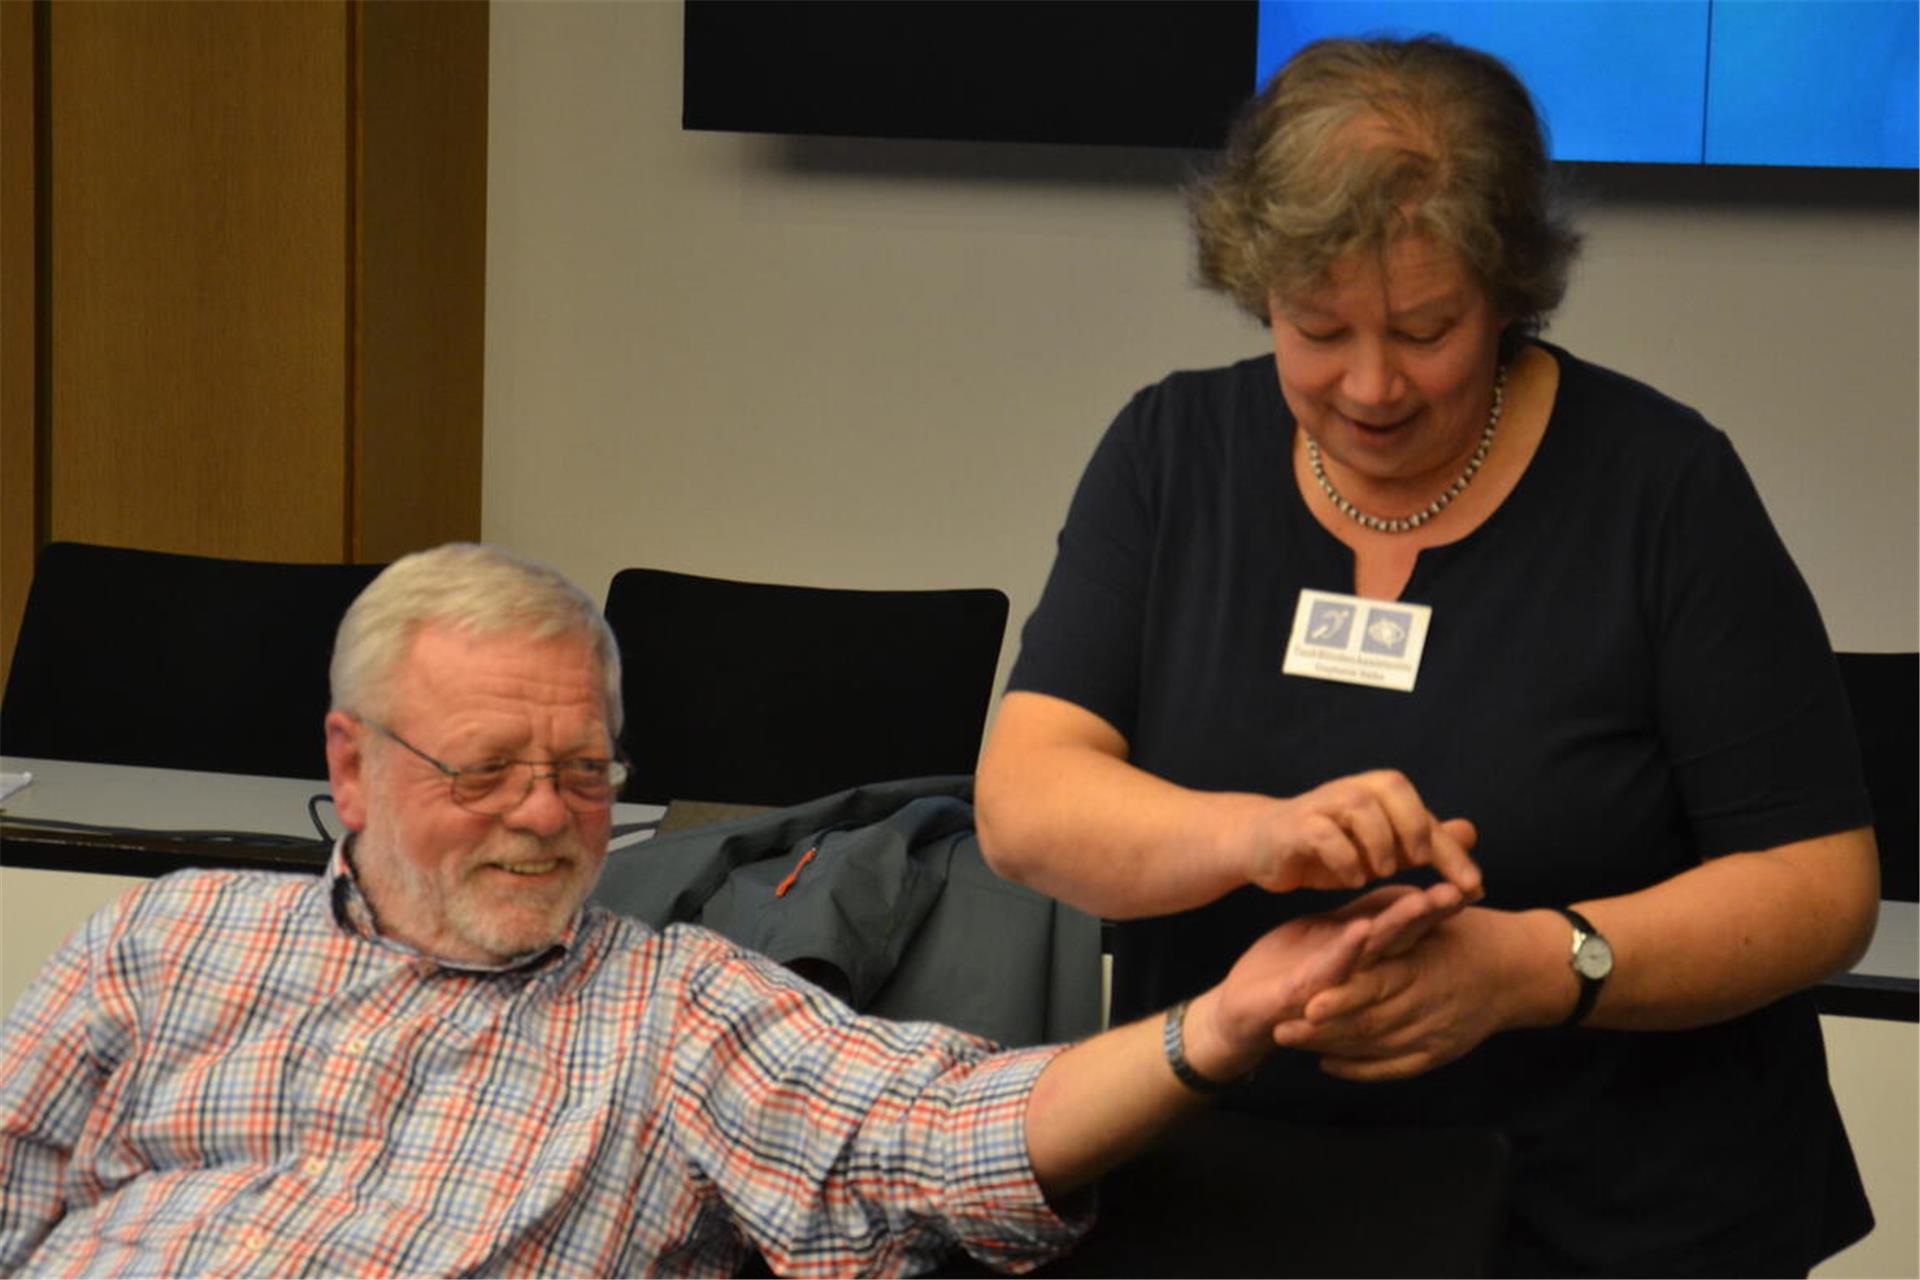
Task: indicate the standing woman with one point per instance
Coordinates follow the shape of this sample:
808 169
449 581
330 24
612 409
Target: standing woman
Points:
1419 562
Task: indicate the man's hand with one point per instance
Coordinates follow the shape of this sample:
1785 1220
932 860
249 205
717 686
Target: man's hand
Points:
1293 968
1351 830
1420 1007
1105 1098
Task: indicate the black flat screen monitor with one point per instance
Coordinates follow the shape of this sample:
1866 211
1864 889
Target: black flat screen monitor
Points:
1823 83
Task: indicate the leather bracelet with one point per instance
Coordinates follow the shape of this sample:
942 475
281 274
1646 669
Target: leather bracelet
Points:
1173 1043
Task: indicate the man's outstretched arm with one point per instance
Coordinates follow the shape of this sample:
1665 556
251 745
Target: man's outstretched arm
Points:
1103 1100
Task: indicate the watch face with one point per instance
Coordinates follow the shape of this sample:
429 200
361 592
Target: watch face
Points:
1594 959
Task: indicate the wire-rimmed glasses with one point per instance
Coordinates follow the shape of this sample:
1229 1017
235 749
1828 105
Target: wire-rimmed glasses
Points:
587 784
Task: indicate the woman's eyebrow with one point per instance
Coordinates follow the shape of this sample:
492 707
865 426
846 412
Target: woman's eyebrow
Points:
1301 309
1441 304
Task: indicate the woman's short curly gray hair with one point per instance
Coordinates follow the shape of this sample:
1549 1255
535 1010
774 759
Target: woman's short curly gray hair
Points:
471 588
1355 143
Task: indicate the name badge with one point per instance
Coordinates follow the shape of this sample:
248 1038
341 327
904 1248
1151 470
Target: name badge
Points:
1357 641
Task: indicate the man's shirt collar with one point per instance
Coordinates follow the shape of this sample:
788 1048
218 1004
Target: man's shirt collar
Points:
354 914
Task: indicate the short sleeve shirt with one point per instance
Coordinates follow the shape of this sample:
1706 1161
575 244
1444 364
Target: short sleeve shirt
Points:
1624 674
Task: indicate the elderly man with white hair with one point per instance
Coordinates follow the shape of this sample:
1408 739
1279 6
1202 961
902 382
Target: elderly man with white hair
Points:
436 1059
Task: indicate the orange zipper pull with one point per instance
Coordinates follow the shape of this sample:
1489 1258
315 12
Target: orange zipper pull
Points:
780 890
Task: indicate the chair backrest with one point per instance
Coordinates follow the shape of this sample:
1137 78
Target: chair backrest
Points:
1884 689
174 661
754 693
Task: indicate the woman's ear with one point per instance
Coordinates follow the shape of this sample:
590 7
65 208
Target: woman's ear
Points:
347 768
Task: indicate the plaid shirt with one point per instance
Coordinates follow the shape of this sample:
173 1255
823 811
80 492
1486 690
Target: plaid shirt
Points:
232 1073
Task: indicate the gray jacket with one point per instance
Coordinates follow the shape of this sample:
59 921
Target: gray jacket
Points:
879 894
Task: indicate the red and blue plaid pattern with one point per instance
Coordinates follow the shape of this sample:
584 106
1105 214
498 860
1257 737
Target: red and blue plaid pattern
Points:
225 1073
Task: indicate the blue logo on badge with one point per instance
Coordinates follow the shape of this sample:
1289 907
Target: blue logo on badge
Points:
1329 624
1387 632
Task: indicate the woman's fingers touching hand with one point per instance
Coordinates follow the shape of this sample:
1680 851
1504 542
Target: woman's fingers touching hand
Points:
1351 830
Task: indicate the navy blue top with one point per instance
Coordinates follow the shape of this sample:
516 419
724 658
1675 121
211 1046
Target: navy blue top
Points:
1624 674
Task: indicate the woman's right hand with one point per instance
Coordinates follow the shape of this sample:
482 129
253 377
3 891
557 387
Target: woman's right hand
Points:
1352 830
1061 809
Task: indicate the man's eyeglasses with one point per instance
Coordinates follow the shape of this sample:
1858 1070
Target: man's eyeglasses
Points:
585 784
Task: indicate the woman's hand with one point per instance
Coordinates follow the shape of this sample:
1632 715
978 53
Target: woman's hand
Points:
1303 961
1351 830
1061 809
1105 1098
1421 1006
1706 945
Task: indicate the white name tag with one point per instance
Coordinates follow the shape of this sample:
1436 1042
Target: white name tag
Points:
1357 641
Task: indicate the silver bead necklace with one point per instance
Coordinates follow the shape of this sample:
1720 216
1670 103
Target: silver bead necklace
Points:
1439 504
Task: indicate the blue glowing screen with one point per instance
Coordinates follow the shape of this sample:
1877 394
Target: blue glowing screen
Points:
1775 82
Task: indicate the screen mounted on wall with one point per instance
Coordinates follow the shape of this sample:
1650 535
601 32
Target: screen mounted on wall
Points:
1828 83
1774 82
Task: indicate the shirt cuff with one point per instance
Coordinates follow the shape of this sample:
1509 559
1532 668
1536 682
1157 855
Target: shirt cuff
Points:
996 1210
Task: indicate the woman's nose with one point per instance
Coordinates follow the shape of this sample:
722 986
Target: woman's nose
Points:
1371 378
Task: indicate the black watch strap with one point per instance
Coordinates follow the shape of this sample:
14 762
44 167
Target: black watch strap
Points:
1589 985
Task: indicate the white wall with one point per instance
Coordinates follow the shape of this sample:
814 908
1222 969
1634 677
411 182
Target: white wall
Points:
1873 1064
883 364
38 910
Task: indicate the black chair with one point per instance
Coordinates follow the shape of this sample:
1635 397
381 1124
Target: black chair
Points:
1884 689
174 661
760 694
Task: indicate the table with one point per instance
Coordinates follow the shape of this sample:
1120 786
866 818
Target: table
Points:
124 820
147 822
1886 982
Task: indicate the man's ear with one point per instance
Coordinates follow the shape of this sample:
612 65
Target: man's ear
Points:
347 769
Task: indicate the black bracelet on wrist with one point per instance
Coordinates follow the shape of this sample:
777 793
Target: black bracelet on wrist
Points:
1173 1043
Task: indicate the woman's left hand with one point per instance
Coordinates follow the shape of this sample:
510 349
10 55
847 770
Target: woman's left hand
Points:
1472 975
1410 1009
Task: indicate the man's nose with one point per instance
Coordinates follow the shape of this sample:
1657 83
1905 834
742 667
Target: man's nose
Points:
541 811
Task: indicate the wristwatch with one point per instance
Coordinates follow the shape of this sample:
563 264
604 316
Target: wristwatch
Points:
1591 959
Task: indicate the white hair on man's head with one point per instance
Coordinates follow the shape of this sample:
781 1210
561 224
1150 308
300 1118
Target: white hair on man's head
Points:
468 587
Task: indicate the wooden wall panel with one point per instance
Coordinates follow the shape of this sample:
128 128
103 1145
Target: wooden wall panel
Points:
421 277
18 276
244 254
199 314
